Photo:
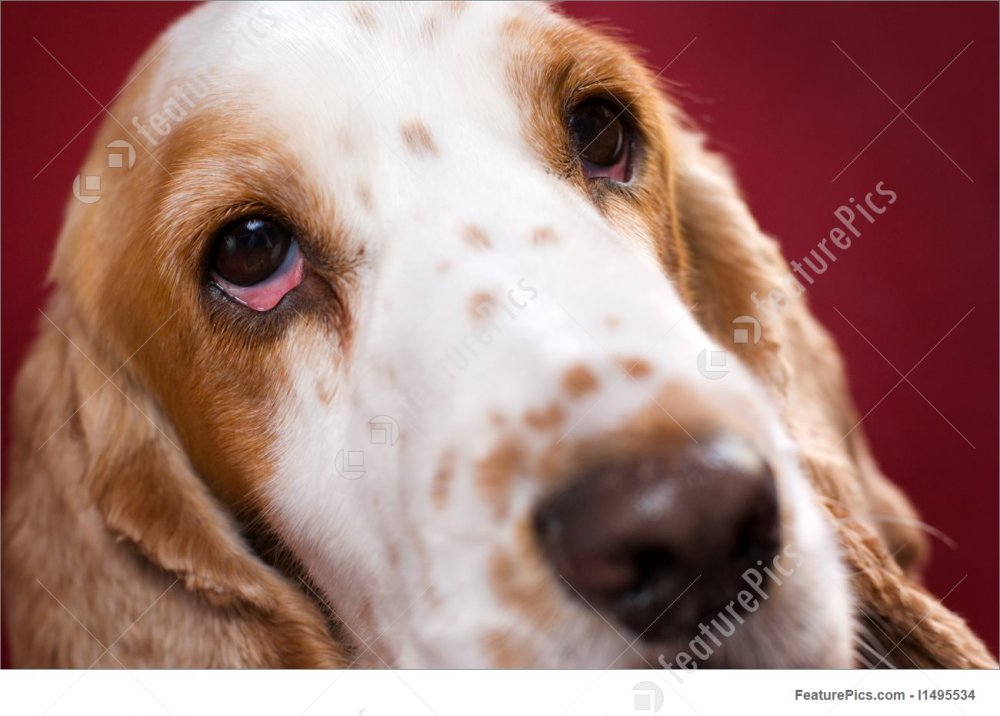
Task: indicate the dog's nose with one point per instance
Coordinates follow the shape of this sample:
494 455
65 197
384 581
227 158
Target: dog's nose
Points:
661 541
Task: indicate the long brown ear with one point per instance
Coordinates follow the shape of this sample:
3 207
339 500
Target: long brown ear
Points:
894 516
108 530
726 260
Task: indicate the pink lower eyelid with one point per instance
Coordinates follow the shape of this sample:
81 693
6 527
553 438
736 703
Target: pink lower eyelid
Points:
615 173
267 294
618 172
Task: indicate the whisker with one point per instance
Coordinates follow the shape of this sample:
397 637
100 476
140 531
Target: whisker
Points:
876 658
919 524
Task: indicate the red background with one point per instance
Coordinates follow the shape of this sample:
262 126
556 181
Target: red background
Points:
790 110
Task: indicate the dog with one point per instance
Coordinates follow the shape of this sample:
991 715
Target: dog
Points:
392 348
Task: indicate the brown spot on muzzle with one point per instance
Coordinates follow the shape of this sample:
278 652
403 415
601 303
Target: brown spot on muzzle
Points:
677 415
476 237
523 583
418 139
548 419
510 586
441 488
482 305
579 381
543 235
634 367
495 474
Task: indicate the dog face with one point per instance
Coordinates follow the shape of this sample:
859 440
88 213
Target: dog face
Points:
427 291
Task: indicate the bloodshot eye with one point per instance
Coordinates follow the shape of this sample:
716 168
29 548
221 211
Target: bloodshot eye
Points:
601 140
256 262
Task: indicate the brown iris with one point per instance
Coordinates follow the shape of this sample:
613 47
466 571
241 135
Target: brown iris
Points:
598 134
250 250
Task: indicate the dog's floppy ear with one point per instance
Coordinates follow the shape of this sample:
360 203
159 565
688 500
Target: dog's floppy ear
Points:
728 262
724 261
895 518
108 526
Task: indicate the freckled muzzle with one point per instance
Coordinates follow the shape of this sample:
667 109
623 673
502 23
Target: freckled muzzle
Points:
659 539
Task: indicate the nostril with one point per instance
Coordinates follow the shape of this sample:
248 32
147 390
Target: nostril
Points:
656 572
652 564
674 532
758 535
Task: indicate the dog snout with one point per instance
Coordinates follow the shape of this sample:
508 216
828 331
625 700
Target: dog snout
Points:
659 541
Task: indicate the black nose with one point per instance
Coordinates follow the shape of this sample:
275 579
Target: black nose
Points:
660 542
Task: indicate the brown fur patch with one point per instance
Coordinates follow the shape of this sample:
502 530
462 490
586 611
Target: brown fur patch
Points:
677 415
523 582
543 235
482 305
364 15
612 322
239 360
506 650
507 583
548 419
476 237
418 139
443 478
635 367
495 474
578 381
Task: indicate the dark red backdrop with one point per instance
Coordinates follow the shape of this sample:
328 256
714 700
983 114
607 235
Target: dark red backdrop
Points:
791 110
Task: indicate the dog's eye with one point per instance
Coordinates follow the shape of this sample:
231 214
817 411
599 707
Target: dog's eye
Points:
250 250
256 261
601 139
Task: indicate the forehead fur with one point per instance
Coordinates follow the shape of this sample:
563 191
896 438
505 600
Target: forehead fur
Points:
339 76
